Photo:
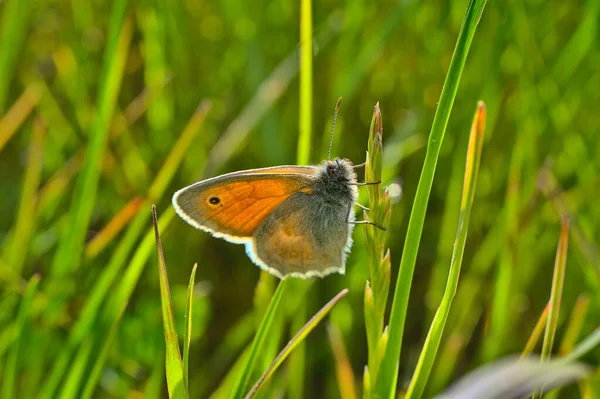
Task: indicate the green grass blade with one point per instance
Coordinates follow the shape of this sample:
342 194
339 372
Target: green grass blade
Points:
294 342
386 382
72 238
575 324
584 347
343 367
20 110
13 30
188 324
91 380
173 363
297 379
91 309
306 81
536 333
432 343
25 224
259 340
70 388
558 281
9 380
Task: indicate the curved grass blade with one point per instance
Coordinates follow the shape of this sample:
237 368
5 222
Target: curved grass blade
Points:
188 324
9 380
514 378
259 339
432 343
584 347
173 363
298 338
386 382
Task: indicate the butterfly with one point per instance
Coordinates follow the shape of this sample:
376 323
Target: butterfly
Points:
294 220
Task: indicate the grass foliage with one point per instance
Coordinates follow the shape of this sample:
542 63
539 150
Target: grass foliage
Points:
107 108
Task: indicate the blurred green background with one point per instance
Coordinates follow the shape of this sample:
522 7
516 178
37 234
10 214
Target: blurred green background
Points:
106 108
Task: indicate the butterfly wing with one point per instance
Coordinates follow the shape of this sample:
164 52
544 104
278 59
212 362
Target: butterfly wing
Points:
303 237
232 206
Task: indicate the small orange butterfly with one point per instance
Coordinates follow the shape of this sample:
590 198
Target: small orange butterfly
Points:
294 220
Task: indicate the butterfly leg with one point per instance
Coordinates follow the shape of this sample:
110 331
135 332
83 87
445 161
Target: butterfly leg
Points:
364 208
370 183
362 221
369 222
360 165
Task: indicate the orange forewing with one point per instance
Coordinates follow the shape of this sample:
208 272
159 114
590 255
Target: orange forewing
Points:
232 206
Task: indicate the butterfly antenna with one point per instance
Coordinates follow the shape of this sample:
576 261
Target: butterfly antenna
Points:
335 113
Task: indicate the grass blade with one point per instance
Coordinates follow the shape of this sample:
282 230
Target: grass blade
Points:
94 376
386 382
188 324
9 380
13 30
257 344
343 368
72 239
584 347
298 338
558 281
536 333
575 324
25 224
513 378
16 115
173 363
432 343
306 81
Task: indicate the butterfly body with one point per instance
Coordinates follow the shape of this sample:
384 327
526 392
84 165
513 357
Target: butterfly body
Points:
294 220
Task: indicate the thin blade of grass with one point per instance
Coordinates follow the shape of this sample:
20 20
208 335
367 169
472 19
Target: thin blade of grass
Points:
343 368
91 380
432 343
306 81
91 309
16 115
70 388
188 325
575 324
173 363
558 281
24 226
257 344
513 378
536 333
67 256
13 30
297 364
112 228
9 380
386 382
295 341
584 347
